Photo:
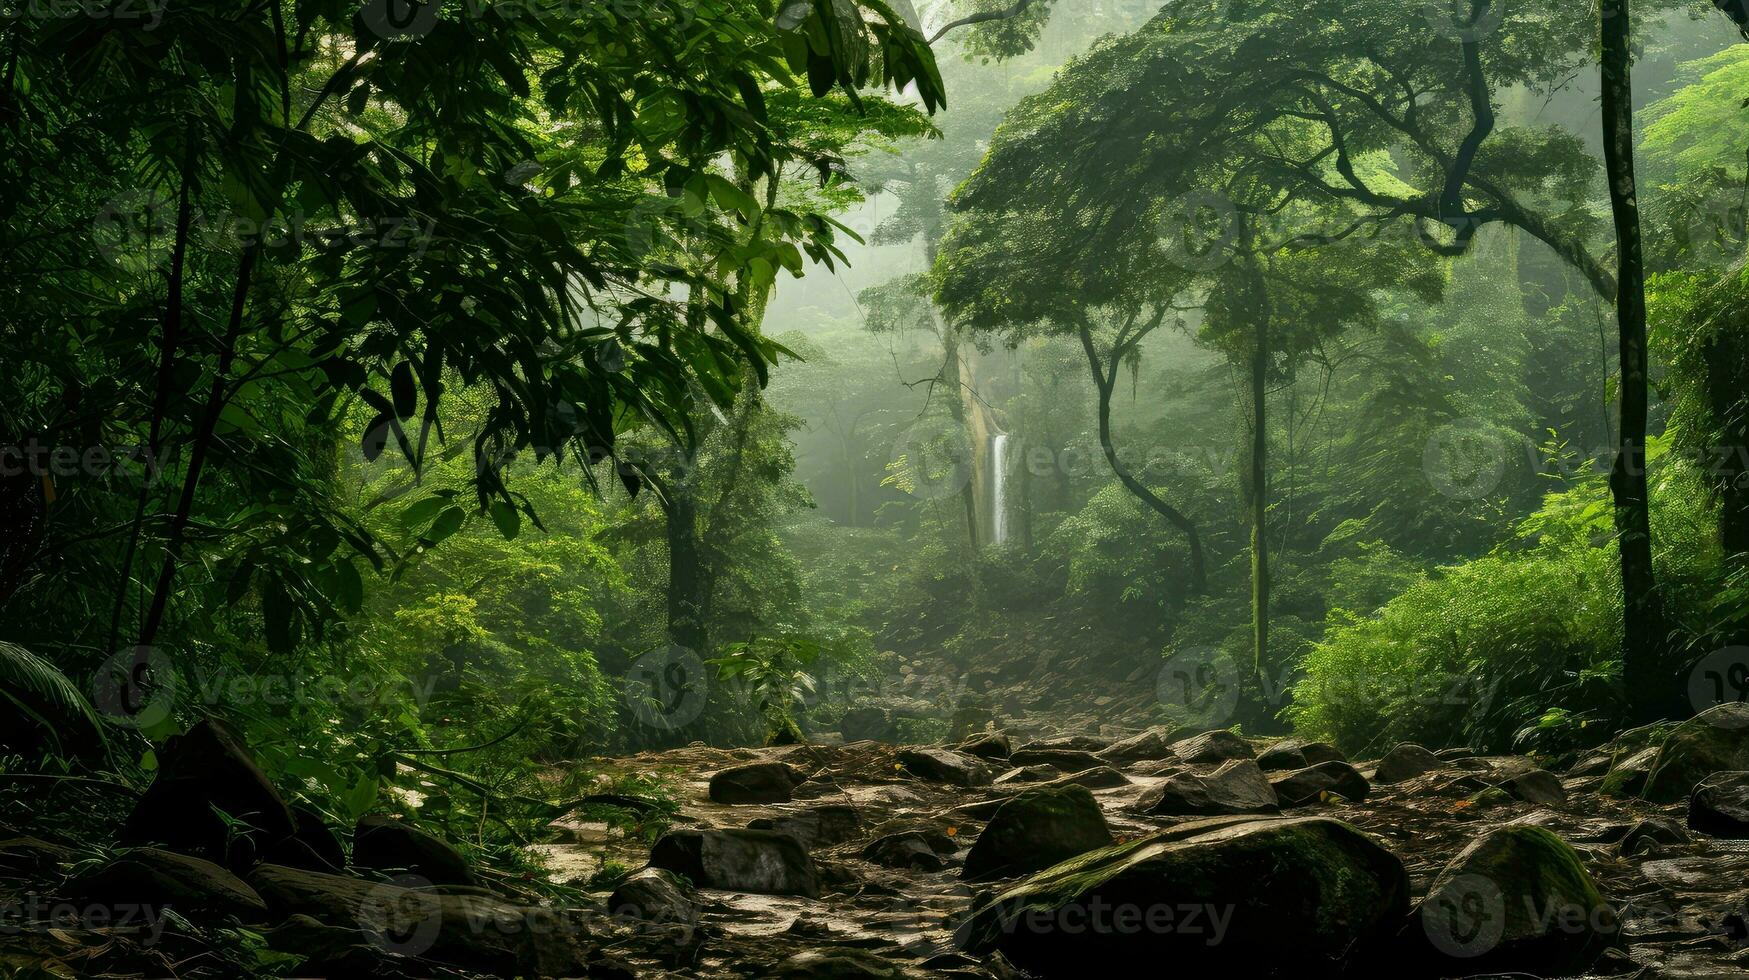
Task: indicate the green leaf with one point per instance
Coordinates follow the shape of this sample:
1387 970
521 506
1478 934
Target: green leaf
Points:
732 198
447 524
359 798
508 519
40 690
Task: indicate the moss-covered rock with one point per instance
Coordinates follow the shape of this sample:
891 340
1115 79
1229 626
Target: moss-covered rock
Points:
1036 829
1716 740
1517 900
1242 899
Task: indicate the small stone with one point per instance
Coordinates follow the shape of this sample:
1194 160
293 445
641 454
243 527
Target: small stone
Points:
1311 784
1649 834
908 850
1538 786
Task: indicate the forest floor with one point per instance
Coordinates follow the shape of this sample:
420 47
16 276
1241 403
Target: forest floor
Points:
835 861
1681 904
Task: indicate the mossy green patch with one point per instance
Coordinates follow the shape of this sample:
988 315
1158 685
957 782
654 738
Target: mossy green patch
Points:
1302 894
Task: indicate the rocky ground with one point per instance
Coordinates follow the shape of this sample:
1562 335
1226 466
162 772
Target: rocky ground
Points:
1231 857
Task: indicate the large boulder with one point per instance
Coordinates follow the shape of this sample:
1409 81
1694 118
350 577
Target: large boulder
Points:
150 878
1716 740
1719 806
761 861
469 931
992 746
868 724
1252 899
1149 746
1309 785
945 766
1626 777
1213 747
201 773
386 844
1518 900
654 896
1283 756
758 782
1235 788
1036 829
312 845
819 826
1406 761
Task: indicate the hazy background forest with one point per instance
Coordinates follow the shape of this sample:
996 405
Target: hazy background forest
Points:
447 404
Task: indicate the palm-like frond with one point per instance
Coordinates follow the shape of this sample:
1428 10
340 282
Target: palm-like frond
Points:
43 692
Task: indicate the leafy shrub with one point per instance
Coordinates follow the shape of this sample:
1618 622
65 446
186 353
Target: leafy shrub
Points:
1469 654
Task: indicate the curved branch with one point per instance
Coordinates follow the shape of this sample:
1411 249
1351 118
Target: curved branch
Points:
982 18
1105 383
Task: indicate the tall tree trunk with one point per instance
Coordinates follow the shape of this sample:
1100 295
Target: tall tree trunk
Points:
953 371
1650 688
1260 483
687 595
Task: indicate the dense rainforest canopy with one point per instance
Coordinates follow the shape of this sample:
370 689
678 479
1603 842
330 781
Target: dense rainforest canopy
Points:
675 458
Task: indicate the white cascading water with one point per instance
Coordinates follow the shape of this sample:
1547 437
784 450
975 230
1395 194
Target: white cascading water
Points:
999 464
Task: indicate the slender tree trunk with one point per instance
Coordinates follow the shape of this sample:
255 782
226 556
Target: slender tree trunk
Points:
1105 380
1649 688
200 445
955 376
1260 485
170 337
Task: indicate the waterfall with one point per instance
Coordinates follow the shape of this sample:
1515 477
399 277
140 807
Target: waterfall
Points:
999 485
